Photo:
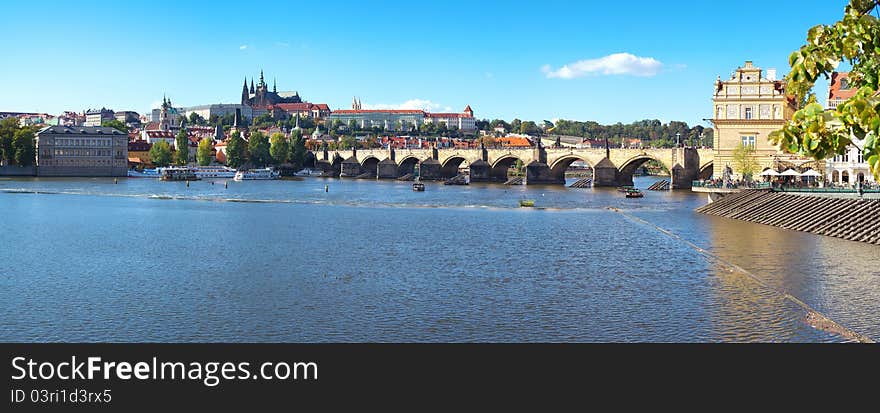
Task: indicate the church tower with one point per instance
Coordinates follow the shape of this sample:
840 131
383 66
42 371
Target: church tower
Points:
244 93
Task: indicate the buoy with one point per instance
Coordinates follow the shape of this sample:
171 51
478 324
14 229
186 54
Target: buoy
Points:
115 180
326 188
212 182
187 184
226 184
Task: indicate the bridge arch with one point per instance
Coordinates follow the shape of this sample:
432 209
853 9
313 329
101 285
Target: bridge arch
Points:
707 170
370 164
628 168
407 165
561 164
449 166
502 165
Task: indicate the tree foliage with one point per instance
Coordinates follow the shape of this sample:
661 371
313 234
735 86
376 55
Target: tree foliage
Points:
236 150
160 154
204 154
745 161
279 148
181 143
23 145
298 151
258 150
820 133
115 124
8 127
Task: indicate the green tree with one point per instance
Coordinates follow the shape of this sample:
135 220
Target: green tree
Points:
818 133
181 143
115 124
236 150
298 151
258 150
8 127
23 145
353 125
347 142
160 154
744 161
204 154
529 127
279 148
196 119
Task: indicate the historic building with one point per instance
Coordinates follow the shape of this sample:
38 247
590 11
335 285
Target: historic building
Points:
260 97
851 167
81 151
94 117
403 119
747 108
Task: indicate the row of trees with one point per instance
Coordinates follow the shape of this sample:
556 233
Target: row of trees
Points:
260 151
17 143
651 132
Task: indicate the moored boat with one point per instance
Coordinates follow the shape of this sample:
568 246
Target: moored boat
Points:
418 187
146 173
634 193
257 175
177 174
212 172
526 203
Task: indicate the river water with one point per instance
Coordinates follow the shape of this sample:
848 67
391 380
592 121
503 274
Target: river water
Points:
373 261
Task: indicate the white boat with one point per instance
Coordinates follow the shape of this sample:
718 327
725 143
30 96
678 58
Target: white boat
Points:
257 175
146 173
213 172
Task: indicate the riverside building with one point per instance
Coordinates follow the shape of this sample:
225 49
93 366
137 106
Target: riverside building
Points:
403 119
746 109
81 151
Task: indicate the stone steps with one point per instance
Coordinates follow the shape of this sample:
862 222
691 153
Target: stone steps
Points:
847 218
582 183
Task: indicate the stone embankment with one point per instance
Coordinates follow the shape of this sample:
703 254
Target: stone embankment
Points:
848 218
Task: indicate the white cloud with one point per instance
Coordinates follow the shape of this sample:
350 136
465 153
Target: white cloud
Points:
614 64
242 47
412 104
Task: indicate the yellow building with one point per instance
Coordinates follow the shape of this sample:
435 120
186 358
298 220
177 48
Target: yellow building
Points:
746 108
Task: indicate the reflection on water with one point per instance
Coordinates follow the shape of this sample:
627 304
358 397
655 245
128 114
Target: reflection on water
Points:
143 260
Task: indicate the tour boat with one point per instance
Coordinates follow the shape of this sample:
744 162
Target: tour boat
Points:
257 175
146 173
418 187
177 174
211 172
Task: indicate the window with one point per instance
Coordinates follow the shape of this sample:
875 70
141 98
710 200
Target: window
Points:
844 84
748 113
748 140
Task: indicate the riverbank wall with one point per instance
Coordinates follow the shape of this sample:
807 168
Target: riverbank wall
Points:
848 218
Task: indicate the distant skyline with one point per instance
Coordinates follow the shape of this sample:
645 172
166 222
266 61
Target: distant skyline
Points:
608 62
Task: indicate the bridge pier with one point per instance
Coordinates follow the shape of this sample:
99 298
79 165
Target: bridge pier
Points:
606 174
387 169
429 170
540 173
350 167
480 171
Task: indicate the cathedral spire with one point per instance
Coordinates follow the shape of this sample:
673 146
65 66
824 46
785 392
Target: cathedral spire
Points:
274 85
262 82
252 86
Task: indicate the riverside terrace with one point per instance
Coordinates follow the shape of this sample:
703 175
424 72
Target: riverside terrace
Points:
611 167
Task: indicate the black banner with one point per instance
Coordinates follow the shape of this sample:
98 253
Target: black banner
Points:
248 377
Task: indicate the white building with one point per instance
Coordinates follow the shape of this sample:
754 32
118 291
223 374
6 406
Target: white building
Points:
94 117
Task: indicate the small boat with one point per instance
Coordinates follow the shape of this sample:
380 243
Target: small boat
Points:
626 188
177 174
310 172
634 193
526 203
418 187
257 175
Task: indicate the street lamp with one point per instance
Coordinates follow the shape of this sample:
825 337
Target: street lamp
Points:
678 139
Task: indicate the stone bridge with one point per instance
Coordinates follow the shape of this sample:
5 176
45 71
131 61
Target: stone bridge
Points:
612 167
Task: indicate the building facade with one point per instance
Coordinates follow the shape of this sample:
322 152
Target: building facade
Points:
94 117
403 119
746 109
850 168
81 151
218 109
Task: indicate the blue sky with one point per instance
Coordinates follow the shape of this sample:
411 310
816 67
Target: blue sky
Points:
505 59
